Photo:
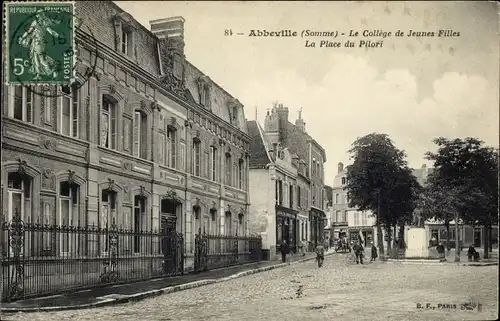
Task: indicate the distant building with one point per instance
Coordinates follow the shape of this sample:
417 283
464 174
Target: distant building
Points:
286 182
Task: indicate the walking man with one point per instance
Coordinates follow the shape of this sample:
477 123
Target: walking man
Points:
359 251
284 248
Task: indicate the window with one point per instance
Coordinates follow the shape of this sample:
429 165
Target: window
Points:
108 123
299 200
291 196
19 196
314 167
171 157
196 157
336 198
280 189
69 112
47 110
140 134
206 163
213 163
108 213
23 104
68 213
364 218
356 218
338 216
228 168
125 41
343 180
139 220
228 222
205 95
241 173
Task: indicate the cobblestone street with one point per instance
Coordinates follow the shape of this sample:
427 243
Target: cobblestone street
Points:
334 292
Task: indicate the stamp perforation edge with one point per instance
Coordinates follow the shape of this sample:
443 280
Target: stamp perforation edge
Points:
6 53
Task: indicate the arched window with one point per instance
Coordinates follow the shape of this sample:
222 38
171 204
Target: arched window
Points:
170 159
108 213
19 191
241 224
213 163
196 157
139 221
197 219
343 180
228 223
140 134
68 119
229 167
109 126
68 213
241 173
336 198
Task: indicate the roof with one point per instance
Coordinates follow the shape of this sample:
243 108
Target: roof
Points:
258 153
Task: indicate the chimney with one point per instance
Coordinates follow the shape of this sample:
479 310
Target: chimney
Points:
301 125
340 167
170 32
282 122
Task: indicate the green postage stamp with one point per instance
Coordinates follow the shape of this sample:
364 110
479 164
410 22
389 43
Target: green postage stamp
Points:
40 43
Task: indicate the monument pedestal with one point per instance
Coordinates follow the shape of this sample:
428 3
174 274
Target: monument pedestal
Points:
417 243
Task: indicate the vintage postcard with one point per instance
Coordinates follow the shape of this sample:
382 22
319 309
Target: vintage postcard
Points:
250 160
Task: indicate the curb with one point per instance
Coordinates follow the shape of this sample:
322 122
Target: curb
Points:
113 299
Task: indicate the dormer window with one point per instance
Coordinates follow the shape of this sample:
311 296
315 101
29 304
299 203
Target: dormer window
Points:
205 95
124 34
204 91
125 42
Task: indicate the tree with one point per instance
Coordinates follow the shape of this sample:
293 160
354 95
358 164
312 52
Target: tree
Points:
464 184
380 180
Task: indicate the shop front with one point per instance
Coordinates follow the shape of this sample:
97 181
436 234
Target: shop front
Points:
286 227
363 235
318 220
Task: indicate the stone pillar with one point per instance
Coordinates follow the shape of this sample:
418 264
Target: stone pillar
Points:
93 206
188 233
222 217
155 212
271 215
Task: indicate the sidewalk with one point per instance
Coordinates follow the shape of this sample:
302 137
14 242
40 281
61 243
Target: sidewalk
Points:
450 259
122 293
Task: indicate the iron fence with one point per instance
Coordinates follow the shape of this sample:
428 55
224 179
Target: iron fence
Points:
40 259
216 251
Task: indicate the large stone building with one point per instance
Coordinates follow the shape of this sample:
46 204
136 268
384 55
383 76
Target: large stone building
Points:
143 138
290 163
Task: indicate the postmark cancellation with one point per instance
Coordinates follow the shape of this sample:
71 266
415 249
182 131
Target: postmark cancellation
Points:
40 43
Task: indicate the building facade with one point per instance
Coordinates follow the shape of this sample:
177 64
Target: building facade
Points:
350 222
286 154
274 187
143 139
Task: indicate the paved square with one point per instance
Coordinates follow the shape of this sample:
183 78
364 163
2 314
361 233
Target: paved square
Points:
334 292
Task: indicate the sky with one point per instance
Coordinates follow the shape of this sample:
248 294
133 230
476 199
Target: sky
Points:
413 88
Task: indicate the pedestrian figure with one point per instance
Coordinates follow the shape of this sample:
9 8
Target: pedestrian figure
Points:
358 251
440 249
472 254
374 253
320 253
284 250
303 246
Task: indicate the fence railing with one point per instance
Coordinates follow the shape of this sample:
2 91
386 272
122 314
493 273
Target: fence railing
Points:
216 251
42 259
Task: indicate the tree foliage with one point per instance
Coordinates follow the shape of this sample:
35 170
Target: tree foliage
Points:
464 181
380 180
